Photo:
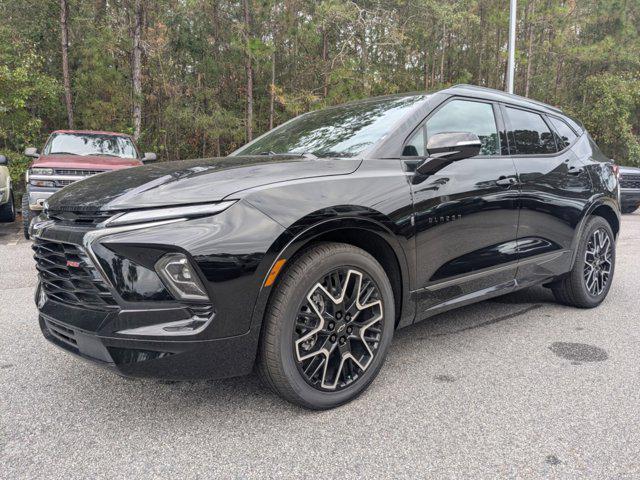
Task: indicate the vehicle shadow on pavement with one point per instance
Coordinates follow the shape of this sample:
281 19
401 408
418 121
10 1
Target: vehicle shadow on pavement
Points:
248 394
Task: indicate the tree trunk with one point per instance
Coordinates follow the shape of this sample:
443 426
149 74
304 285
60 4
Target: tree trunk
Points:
64 42
426 70
480 44
498 68
249 71
527 78
136 68
325 67
272 90
444 36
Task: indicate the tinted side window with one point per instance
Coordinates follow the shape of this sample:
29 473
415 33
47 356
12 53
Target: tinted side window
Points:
529 133
566 135
466 116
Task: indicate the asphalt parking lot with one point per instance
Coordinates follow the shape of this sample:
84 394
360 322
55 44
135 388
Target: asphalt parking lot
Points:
515 387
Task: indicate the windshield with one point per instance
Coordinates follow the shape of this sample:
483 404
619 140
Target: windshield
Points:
90 144
343 131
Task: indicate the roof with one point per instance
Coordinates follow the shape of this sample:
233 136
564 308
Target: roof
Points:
500 96
92 132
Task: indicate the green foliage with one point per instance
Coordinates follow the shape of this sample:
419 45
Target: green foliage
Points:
581 56
26 94
610 102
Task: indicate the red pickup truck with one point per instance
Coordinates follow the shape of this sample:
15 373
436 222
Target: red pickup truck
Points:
71 155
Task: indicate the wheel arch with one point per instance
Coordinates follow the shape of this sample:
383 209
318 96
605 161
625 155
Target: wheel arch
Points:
368 234
604 207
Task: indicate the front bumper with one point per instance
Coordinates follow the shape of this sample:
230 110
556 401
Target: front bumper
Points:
629 197
172 360
115 292
37 196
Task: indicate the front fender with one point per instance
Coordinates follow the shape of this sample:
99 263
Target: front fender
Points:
326 221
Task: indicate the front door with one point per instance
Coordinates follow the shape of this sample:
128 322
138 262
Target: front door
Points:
466 214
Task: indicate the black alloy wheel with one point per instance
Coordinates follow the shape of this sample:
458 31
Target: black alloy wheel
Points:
589 281
328 326
338 329
8 210
598 261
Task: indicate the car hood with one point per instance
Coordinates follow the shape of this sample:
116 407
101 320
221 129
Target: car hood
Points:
85 162
190 181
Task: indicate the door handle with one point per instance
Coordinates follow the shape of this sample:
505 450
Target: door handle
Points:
506 181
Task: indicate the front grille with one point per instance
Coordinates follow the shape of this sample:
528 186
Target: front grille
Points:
87 218
80 173
68 277
630 181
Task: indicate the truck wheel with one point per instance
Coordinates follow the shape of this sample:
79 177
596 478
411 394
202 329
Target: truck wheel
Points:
328 327
588 283
27 215
8 210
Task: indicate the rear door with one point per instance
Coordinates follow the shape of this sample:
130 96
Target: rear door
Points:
555 188
466 214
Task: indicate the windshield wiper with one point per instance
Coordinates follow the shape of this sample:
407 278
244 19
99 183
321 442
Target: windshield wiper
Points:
63 153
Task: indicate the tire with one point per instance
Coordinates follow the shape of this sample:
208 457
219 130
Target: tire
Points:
629 208
288 343
27 215
574 288
8 210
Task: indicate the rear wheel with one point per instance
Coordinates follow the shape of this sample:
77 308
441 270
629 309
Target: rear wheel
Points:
27 215
328 327
588 283
8 210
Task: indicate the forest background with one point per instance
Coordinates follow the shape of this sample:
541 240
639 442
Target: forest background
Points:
195 78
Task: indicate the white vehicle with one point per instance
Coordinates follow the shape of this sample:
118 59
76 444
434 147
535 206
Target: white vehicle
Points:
7 207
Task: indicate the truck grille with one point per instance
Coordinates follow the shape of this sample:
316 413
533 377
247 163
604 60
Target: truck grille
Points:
64 183
68 277
630 181
79 173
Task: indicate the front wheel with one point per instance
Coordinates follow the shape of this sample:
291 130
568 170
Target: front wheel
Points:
588 283
328 327
8 210
27 215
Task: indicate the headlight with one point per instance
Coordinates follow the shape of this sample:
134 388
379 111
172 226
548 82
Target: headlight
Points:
41 171
179 277
42 183
156 214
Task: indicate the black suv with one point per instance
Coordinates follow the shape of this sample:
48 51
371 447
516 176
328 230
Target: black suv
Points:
304 250
629 189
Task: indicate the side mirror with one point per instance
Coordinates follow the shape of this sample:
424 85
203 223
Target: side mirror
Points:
31 152
3 160
448 147
149 157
